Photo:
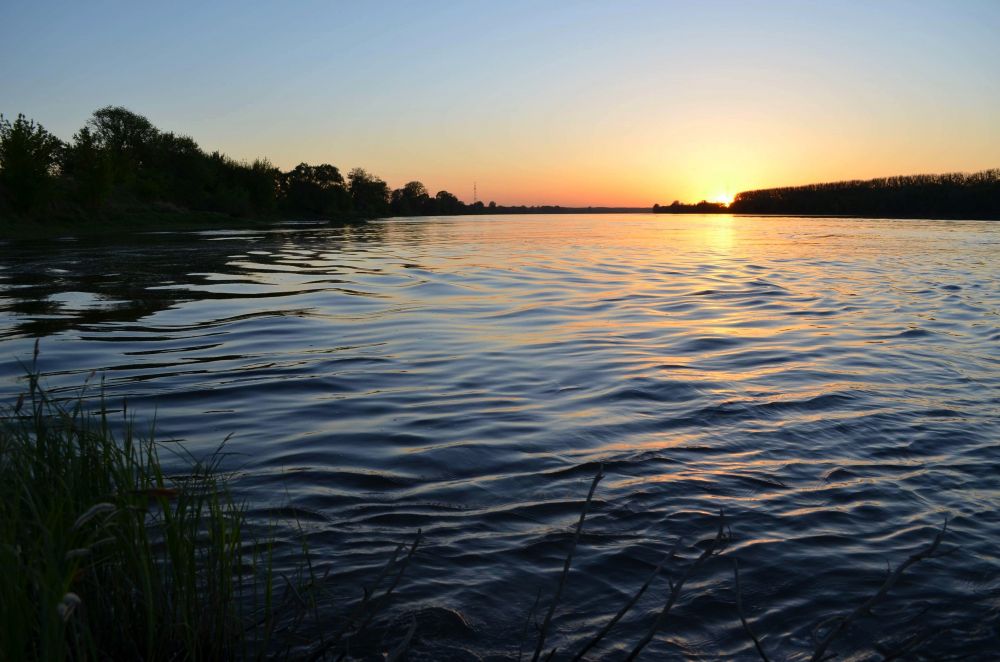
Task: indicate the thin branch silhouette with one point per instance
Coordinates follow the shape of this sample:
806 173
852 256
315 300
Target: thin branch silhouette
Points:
569 559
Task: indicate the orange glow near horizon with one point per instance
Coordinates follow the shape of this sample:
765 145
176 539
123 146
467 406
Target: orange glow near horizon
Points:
538 104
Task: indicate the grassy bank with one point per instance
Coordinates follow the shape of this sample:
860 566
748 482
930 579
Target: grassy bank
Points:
104 556
107 556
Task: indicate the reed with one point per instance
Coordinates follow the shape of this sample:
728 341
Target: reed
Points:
824 633
105 556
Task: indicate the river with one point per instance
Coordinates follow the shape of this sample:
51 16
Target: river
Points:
831 384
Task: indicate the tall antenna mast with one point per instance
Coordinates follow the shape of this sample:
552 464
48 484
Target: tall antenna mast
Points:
475 194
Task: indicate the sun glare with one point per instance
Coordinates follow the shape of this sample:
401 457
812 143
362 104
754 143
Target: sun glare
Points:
723 198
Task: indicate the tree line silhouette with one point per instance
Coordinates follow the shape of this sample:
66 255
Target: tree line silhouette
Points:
952 195
703 207
119 162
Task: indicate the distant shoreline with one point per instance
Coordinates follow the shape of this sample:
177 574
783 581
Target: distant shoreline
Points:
149 221
871 217
19 229
121 173
968 196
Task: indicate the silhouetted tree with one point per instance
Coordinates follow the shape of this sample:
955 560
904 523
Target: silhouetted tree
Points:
369 194
28 158
315 190
448 203
953 195
127 136
170 167
703 207
120 157
410 200
260 180
88 166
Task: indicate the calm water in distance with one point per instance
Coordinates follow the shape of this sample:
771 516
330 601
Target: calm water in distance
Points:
833 384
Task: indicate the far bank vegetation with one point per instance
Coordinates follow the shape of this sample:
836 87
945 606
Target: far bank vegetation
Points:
120 165
953 195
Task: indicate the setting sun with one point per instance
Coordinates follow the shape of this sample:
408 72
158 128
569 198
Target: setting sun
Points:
723 199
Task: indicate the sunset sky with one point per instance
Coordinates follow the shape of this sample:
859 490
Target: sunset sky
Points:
589 103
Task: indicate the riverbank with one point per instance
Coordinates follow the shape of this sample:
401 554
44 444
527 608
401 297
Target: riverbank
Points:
107 556
15 228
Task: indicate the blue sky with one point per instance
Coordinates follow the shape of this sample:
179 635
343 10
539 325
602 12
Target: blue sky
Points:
568 102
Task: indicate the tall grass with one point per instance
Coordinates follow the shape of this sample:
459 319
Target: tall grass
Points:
104 556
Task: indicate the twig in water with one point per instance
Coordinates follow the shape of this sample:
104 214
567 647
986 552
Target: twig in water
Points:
367 594
908 645
398 651
628 605
890 581
392 587
527 623
362 606
713 549
743 618
569 559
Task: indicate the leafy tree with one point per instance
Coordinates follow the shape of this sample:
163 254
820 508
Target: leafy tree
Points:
953 195
120 158
241 188
415 190
410 200
174 169
327 176
28 160
88 165
260 180
448 203
126 135
369 194
318 190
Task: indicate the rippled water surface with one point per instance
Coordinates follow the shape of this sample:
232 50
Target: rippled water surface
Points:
832 384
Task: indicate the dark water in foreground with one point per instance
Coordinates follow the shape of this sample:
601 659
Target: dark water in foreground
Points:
833 384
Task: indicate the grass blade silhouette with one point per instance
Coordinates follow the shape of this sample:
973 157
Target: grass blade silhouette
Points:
569 560
628 605
843 621
743 618
713 548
